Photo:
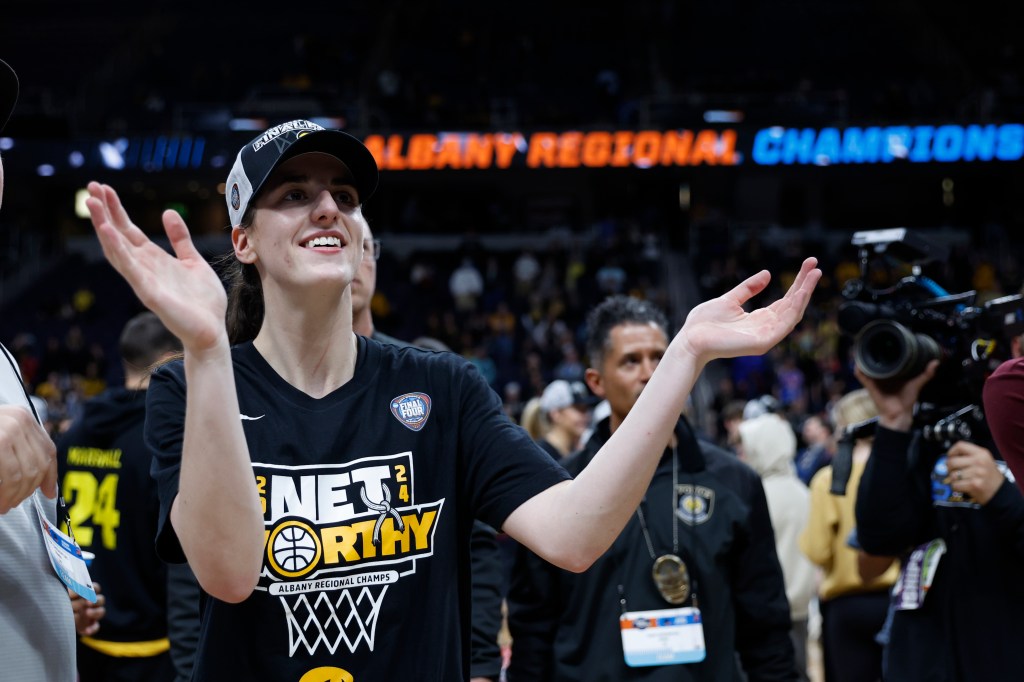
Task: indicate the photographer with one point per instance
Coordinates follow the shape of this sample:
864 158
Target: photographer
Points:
959 524
934 491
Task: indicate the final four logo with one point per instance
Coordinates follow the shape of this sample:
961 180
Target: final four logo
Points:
412 409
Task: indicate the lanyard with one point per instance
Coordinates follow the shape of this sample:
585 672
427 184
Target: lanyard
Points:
61 504
675 516
669 572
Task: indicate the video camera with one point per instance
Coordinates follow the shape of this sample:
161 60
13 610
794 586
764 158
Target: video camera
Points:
897 330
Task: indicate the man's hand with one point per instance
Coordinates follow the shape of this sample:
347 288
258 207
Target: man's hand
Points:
973 471
88 615
28 458
895 402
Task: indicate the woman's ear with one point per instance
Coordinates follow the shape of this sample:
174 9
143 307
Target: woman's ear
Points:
242 245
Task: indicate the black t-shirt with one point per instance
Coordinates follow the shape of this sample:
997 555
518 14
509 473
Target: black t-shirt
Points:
547 447
104 473
369 496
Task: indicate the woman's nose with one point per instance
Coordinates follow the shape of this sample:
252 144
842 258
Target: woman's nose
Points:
326 207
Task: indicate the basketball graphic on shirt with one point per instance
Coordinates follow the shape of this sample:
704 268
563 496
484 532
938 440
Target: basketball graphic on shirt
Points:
293 549
338 537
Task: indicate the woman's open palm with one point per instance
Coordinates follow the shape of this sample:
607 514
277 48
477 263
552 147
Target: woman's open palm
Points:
182 289
721 328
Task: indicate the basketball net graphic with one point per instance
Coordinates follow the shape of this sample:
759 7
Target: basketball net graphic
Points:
329 617
348 615
325 603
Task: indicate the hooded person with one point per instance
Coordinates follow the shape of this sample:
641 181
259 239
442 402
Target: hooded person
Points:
769 446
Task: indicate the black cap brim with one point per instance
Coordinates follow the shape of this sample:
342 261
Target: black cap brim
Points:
8 92
586 401
346 148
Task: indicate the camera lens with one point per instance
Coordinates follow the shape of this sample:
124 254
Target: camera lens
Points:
888 350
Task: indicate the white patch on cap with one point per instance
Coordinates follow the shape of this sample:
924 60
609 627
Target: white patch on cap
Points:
240 194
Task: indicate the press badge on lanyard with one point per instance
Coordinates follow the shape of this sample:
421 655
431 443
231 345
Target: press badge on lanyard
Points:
66 558
662 637
917 575
65 554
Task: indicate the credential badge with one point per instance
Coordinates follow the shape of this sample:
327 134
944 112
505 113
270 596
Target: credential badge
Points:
412 409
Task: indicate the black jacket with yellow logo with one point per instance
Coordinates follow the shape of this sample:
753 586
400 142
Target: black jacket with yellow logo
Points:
565 626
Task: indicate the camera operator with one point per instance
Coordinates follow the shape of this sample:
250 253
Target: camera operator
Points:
958 523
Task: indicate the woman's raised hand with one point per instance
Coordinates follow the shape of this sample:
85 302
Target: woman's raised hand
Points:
182 289
721 328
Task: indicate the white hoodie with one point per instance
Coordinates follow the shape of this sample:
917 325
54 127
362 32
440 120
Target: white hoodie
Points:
769 446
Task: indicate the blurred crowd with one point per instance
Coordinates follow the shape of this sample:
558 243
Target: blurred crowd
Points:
519 316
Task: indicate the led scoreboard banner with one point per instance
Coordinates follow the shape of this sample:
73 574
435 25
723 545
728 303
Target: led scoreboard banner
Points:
916 144
679 148
596 149
772 146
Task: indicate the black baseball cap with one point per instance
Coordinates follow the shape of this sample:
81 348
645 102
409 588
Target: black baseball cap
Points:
8 92
260 156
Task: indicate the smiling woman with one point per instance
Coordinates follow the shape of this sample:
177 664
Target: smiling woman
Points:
306 230
267 167
351 498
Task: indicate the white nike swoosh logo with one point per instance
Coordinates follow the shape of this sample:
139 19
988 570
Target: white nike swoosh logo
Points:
246 417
